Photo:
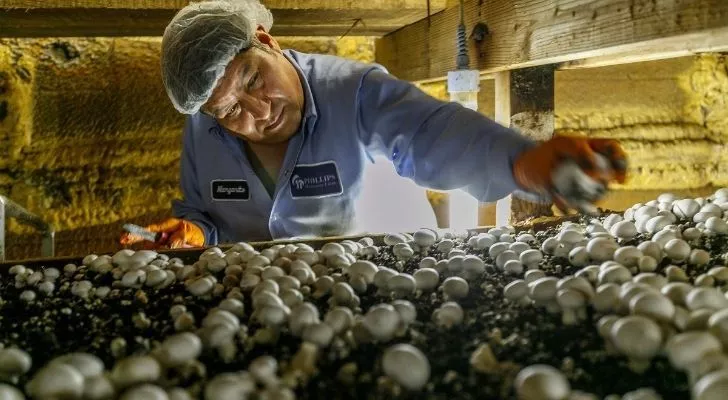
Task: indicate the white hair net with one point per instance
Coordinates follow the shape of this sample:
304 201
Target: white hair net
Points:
200 42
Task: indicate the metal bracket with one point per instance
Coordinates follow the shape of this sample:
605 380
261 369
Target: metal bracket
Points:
10 209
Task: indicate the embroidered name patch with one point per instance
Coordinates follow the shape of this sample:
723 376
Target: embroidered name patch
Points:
316 180
230 190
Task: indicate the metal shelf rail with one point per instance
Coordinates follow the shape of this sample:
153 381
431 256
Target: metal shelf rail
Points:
10 209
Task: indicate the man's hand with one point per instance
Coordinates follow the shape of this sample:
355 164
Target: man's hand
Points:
178 233
574 172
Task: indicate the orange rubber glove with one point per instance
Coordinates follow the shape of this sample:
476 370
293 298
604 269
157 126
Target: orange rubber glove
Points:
178 233
573 171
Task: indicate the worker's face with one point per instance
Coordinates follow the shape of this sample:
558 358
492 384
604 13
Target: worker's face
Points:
260 97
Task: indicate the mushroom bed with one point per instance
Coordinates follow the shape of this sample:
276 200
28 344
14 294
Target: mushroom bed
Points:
627 306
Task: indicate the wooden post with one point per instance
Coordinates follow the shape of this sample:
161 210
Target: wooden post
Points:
525 101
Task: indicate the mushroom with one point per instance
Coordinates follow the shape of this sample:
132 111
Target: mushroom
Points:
590 273
549 245
339 318
637 337
145 392
56 381
533 275
699 257
570 301
402 285
406 365
712 386
653 305
504 257
541 382
318 333
664 236
685 209
543 292
614 274
179 349
517 292
519 247
716 225
229 386
428 262
455 288
718 326
652 279
652 249
531 258
704 280
647 264
472 267
628 256
677 250
382 321
406 310
448 315
601 248
578 256
87 364
606 298
513 267
426 279
623 230
676 292
14 362
676 274
702 297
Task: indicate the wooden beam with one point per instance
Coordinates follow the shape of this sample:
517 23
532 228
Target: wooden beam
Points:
525 101
525 33
35 18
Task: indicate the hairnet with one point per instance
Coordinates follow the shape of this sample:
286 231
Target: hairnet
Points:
200 42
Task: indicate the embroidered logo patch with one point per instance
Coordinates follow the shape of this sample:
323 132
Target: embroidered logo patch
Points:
316 180
230 190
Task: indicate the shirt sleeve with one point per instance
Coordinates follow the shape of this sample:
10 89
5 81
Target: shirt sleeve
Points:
191 207
439 145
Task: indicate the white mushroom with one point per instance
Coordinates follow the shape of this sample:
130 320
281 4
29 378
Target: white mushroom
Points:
628 256
179 349
8 392
531 258
578 256
426 279
623 230
517 292
639 338
601 248
702 297
448 315
677 250
712 386
716 225
14 362
676 292
652 305
382 322
685 209
56 381
406 365
87 364
318 333
402 285
455 288
229 386
339 318
541 382
606 298
570 301
652 249
145 392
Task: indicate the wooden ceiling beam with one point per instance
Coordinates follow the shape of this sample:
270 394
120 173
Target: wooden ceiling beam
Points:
575 33
58 18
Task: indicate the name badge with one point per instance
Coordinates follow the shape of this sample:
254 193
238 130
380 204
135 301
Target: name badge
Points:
316 180
230 190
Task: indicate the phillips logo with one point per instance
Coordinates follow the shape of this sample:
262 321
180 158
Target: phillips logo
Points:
298 182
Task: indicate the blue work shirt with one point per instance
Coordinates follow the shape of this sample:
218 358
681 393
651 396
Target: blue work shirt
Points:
352 112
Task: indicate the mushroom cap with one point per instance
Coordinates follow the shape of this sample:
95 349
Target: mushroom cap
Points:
8 392
653 305
455 287
651 279
543 289
637 337
614 274
703 297
426 278
686 348
533 275
712 386
516 290
623 230
606 297
570 298
676 291
56 381
677 249
406 365
577 282
531 257
541 382
601 248
685 208
382 321
627 255
718 325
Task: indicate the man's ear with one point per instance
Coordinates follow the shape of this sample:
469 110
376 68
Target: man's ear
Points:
266 38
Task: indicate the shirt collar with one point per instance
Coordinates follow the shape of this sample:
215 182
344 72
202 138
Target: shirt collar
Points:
310 112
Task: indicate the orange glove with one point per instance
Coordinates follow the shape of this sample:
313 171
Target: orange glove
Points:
574 171
177 233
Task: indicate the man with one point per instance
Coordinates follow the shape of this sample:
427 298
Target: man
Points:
276 141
